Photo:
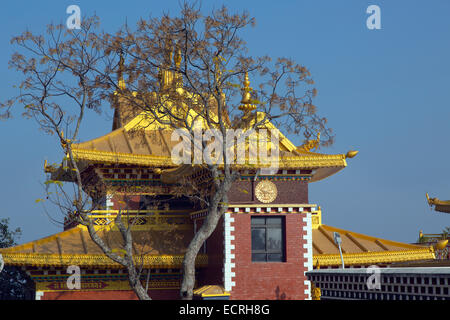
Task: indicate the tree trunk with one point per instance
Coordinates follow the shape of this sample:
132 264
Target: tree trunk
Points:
187 286
135 283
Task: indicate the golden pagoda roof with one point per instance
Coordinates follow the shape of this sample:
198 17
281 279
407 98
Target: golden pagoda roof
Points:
151 145
361 249
163 247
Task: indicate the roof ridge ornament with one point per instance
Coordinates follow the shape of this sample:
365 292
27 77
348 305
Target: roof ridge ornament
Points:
177 61
246 102
166 74
351 154
121 82
310 144
439 205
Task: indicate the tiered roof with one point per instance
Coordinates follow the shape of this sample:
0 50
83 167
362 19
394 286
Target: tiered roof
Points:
361 249
163 248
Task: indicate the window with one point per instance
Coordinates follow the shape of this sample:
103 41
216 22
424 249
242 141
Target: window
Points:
267 239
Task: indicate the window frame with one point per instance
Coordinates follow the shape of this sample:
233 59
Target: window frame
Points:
267 225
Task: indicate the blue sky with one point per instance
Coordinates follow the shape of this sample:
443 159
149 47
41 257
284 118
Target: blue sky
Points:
385 93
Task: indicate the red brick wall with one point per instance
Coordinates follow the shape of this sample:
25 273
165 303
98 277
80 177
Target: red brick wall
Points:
269 280
109 295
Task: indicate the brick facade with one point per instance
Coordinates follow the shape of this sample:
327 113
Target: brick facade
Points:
271 280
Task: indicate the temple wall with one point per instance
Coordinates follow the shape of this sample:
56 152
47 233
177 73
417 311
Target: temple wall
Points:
107 295
287 192
270 280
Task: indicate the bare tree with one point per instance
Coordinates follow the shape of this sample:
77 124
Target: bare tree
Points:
193 66
180 71
67 73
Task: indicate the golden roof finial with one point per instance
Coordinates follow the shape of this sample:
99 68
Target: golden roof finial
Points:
121 83
246 104
440 245
310 144
166 76
168 51
177 62
177 57
351 154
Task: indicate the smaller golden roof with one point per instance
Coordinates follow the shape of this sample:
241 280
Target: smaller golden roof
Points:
155 247
211 291
361 249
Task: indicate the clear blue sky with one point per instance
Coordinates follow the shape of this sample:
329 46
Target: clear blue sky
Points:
385 93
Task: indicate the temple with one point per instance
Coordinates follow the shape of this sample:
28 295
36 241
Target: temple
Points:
270 236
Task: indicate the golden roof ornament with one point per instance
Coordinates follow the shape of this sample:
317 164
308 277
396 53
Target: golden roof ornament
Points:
168 51
120 70
166 76
315 292
310 144
177 62
440 245
177 57
439 205
351 154
246 102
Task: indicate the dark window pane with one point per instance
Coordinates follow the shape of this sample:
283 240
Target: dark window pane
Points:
274 239
274 221
267 239
258 220
259 239
275 257
258 257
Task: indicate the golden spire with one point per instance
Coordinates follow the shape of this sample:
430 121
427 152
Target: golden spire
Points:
177 57
166 76
177 62
168 51
121 83
246 104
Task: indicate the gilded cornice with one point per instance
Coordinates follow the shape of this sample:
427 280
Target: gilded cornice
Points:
309 161
121 158
95 260
368 258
